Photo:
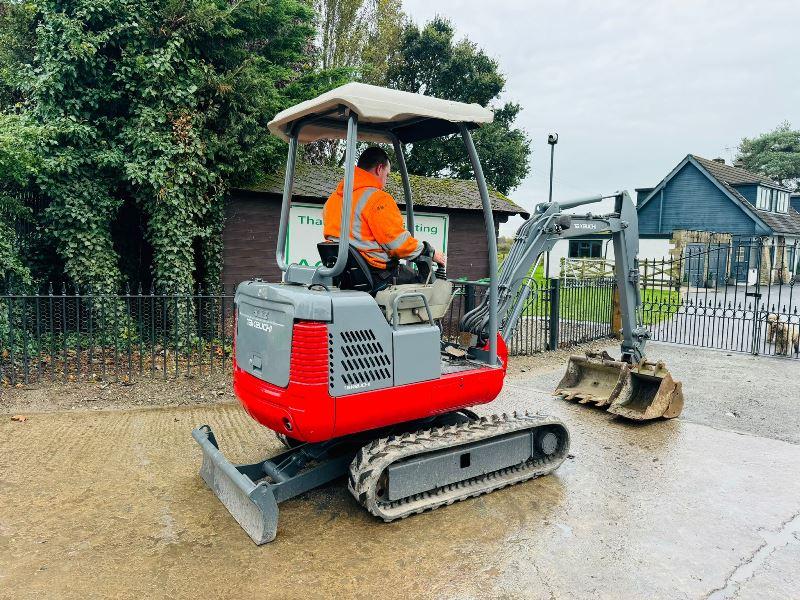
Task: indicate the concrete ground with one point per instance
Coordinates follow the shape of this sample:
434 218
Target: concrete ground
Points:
109 504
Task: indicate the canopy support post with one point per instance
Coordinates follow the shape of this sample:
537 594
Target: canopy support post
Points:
401 166
347 201
491 240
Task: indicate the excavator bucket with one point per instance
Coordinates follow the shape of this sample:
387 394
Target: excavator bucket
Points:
639 392
593 378
649 392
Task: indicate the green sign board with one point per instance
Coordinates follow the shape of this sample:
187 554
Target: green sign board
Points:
305 231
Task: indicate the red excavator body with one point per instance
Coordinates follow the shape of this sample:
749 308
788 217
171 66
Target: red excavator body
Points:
305 410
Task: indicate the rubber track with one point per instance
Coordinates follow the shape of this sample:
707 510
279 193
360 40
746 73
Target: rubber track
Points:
373 459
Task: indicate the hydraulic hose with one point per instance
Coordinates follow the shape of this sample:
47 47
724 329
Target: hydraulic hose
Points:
514 269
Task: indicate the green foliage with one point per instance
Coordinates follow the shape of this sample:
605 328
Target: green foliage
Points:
775 154
157 105
76 94
17 39
164 103
430 62
18 163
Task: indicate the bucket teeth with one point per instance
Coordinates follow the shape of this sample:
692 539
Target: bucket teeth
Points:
639 392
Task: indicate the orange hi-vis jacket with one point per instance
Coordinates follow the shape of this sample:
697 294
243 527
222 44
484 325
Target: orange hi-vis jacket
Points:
377 230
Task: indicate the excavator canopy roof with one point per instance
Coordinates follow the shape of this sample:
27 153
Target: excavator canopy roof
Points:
382 114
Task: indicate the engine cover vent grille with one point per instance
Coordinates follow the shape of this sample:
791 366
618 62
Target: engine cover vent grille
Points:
358 361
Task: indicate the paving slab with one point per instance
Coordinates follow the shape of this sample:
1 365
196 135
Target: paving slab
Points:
109 504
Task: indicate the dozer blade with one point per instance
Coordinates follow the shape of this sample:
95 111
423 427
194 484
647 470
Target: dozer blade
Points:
252 505
649 392
595 378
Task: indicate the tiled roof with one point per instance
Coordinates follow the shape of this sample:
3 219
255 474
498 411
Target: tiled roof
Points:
729 176
318 182
734 175
782 222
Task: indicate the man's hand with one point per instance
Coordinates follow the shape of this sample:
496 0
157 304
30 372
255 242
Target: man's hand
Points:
440 258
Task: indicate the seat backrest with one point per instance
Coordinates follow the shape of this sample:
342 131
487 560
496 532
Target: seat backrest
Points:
411 309
356 274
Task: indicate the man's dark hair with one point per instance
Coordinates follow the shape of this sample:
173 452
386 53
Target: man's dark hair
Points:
372 157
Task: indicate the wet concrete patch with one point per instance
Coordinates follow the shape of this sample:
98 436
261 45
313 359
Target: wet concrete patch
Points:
725 390
774 542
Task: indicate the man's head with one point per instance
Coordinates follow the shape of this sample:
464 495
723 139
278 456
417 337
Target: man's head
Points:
376 161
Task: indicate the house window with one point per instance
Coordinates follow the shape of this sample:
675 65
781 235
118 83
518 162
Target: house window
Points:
782 204
585 248
762 201
741 254
772 200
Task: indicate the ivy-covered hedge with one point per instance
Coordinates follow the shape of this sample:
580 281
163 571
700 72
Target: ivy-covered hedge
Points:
166 104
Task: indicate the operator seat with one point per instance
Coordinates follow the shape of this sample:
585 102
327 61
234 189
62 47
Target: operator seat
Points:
356 274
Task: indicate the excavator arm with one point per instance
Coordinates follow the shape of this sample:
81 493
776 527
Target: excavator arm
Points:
632 386
538 235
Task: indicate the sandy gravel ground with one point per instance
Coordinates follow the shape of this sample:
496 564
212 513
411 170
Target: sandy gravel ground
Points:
108 503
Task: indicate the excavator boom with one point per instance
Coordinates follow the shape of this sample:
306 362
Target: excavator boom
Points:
631 387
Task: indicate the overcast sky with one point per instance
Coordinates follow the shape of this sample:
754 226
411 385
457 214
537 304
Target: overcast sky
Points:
632 87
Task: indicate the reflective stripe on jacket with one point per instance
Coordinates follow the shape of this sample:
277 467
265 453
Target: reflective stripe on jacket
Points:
377 229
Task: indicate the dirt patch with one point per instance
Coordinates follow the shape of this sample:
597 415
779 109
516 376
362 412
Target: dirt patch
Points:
142 393
525 366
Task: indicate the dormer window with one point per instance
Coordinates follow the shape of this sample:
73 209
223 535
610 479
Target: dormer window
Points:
763 200
782 203
772 200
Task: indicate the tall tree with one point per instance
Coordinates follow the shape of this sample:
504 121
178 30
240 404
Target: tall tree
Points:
362 35
431 62
775 154
359 37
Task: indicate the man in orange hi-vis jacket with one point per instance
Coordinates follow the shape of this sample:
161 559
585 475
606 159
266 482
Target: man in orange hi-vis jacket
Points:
377 229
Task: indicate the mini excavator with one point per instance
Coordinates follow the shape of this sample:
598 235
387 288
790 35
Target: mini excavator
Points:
352 374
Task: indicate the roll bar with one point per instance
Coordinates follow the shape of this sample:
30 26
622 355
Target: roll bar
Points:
401 166
307 275
286 204
491 240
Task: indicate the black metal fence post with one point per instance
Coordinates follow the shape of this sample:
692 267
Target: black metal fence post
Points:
757 304
554 307
469 297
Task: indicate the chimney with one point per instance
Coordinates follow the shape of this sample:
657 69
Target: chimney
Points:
720 160
738 163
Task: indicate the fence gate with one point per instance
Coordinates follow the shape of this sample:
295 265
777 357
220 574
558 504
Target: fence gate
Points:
738 296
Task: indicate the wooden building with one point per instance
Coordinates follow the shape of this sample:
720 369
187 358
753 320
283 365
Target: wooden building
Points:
252 215
704 203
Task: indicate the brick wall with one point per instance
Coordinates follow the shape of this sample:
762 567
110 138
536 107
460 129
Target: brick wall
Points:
251 232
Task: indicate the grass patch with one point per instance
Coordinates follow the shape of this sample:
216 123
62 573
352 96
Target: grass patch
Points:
659 305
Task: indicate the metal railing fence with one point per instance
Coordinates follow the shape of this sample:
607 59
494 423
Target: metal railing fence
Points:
555 315
741 295
73 334
77 334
